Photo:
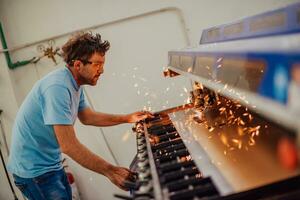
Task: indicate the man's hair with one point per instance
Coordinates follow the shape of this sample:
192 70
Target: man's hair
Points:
82 46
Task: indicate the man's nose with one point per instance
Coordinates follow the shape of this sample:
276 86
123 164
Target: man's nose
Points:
101 70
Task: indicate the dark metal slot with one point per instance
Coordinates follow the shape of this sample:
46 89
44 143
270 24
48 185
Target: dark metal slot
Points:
168 136
159 130
182 184
172 156
167 167
167 143
198 191
169 149
179 174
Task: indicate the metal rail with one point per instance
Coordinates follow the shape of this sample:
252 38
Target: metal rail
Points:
155 179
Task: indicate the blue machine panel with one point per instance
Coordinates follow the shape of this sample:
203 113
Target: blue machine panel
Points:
268 74
281 21
273 73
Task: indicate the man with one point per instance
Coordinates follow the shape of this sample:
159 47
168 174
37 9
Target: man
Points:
44 124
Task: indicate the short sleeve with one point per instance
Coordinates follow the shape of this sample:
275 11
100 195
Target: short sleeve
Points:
82 102
56 105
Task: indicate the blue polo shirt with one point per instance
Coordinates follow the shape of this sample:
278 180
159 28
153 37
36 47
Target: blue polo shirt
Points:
55 99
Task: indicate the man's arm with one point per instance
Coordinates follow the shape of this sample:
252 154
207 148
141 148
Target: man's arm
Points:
70 145
89 117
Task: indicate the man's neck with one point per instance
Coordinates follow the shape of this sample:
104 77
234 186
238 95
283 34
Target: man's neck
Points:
75 75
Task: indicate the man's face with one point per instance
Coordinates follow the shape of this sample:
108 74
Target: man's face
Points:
89 73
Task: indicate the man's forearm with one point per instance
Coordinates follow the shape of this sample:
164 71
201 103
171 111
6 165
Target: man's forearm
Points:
90 117
88 159
105 119
70 145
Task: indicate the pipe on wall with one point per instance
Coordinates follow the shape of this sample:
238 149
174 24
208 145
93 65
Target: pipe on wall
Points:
10 64
166 9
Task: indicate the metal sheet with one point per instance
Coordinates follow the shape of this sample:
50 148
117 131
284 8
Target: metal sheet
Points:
231 170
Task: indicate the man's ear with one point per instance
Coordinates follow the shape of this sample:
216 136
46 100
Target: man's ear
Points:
77 64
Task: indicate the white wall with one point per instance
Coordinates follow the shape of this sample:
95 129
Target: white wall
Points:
139 47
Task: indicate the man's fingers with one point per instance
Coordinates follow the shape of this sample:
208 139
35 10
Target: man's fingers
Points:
123 188
134 173
149 114
131 175
146 115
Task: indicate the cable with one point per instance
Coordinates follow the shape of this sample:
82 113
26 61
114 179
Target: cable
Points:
102 132
4 165
3 134
9 181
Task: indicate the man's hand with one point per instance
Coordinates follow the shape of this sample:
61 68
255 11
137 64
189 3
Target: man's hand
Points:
138 116
118 176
